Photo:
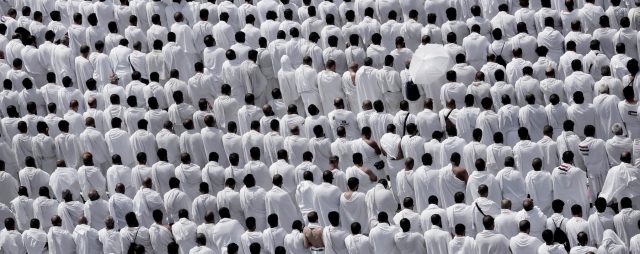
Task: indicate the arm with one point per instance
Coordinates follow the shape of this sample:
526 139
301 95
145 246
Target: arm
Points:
371 175
375 146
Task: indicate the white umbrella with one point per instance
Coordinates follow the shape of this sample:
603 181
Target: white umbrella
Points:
428 67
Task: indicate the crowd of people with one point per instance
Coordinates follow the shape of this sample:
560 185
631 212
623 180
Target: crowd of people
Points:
294 126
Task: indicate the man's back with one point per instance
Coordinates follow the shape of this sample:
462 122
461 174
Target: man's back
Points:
382 238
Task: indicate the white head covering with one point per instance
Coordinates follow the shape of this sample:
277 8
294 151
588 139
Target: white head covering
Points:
285 62
612 244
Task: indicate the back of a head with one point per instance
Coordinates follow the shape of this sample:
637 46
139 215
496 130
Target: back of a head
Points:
488 222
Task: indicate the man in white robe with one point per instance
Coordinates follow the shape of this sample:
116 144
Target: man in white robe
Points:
223 32
159 233
181 111
247 114
64 178
452 179
161 172
90 177
575 225
204 205
408 214
600 220
70 211
296 146
184 231
59 239
32 61
212 139
117 140
44 149
190 175
175 200
176 59
533 117
257 168
8 185
618 180
213 173
461 243
538 185
307 84
95 209
31 177
102 69
488 241
62 60
35 238
119 57
382 235
595 158
146 201
511 182
523 242
253 78
412 145
119 206
525 151
481 177
286 171
232 144
21 144
185 36
606 104
380 199
278 201
366 82
329 86
86 238
22 207
92 141
143 141
230 199
482 206
626 221
327 198
227 231
340 117
44 207
432 209
436 239
473 151
425 182
568 177
191 143
225 107
252 201
120 174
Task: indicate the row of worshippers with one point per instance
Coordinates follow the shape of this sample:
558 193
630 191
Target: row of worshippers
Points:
371 210
256 150
454 89
227 108
311 94
183 236
123 66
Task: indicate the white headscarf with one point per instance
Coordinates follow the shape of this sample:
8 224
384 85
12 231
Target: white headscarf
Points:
612 244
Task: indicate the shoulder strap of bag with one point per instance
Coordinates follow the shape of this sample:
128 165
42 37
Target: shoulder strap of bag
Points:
135 237
480 209
557 226
132 68
404 124
592 63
